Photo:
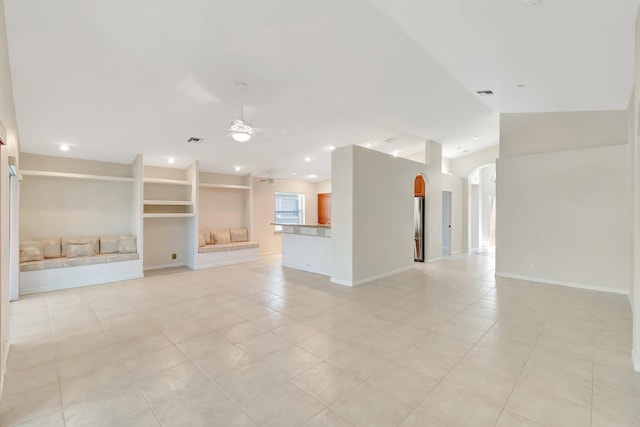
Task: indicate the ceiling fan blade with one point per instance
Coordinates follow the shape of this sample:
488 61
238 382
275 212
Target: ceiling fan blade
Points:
261 130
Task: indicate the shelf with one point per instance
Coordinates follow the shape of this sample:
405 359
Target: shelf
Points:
166 181
167 215
227 186
168 202
76 176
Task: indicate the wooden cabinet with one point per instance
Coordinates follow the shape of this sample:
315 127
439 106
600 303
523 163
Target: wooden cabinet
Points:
324 208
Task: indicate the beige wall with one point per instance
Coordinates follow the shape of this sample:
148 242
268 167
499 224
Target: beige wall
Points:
263 205
162 237
455 184
223 208
8 119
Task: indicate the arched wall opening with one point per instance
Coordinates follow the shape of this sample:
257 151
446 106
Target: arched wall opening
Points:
420 217
482 206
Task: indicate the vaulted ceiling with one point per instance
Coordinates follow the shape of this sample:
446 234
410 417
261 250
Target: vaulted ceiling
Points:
117 78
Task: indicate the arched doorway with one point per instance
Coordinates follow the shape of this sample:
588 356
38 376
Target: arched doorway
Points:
419 218
482 207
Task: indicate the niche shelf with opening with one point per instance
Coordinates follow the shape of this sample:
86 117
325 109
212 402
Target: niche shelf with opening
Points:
64 198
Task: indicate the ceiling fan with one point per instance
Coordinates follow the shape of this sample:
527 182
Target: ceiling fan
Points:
271 179
239 129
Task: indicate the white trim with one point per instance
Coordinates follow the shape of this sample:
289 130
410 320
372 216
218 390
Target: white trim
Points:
432 259
161 266
340 282
166 181
226 186
223 263
51 174
27 291
561 283
371 278
636 361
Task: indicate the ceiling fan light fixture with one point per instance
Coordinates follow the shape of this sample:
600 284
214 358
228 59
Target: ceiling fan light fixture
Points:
241 136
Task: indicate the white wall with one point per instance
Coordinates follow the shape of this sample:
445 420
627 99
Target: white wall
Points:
552 132
372 219
563 216
463 166
634 110
455 184
433 200
263 201
8 119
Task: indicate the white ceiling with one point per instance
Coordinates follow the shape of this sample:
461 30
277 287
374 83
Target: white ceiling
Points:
117 78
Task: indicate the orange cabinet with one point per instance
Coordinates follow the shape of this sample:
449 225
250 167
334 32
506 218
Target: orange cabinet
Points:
324 208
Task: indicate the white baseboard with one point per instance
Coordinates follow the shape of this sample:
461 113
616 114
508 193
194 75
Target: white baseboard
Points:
26 291
371 278
161 266
223 263
561 283
459 252
434 259
636 361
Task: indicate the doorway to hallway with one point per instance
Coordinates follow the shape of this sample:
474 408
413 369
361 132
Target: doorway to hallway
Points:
482 207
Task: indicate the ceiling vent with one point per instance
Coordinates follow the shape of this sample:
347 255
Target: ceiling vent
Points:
194 140
485 92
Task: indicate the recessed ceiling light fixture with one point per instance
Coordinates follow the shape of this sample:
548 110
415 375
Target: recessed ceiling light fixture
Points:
237 168
332 147
313 175
368 145
475 138
395 153
485 92
307 159
171 160
64 147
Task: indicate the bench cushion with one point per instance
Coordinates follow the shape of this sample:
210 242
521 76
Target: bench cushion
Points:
239 235
228 247
31 251
51 248
221 237
74 262
66 241
109 244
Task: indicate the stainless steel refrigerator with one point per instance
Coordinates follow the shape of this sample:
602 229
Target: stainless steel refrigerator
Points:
418 225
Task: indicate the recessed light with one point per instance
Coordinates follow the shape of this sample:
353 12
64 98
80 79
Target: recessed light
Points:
64 147
307 159
332 147
313 175
237 168
368 145
475 138
294 173
395 153
171 160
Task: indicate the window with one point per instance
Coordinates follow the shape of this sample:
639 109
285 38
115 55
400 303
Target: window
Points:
289 209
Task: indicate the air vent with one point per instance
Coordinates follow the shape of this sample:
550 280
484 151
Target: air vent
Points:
194 140
485 92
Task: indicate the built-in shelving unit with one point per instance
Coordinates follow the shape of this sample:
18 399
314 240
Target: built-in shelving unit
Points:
169 211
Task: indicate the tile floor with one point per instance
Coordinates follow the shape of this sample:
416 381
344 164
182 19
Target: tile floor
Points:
443 344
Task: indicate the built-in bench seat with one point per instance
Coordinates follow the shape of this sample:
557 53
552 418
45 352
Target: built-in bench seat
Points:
223 247
227 247
68 262
46 264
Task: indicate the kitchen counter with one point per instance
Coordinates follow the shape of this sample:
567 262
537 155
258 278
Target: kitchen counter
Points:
307 247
